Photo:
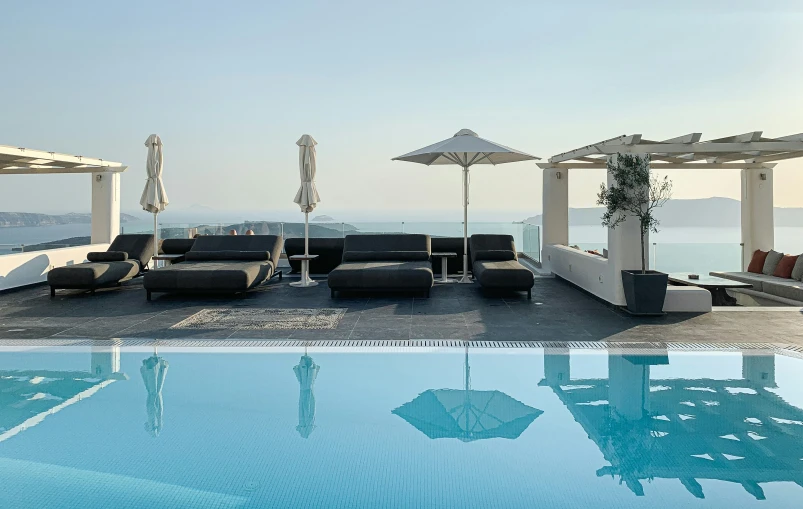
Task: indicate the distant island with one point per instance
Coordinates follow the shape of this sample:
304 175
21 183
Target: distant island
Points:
28 219
705 212
323 219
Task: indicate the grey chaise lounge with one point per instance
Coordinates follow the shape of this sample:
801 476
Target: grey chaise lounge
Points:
219 264
127 256
496 266
395 262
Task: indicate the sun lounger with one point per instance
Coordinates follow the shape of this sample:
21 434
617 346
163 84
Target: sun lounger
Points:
395 262
127 256
495 264
219 264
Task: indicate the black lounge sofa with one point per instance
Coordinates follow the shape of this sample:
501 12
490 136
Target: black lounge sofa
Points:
396 262
127 257
495 264
329 251
219 264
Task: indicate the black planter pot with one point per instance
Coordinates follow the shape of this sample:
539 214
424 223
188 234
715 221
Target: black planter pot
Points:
644 293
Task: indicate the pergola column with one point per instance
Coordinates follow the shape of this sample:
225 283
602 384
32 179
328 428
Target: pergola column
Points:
557 366
105 207
624 249
628 388
757 213
555 218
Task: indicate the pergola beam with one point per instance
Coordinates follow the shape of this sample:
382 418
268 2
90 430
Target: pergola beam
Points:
51 170
18 160
660 166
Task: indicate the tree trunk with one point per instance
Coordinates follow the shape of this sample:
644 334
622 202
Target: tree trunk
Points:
643 260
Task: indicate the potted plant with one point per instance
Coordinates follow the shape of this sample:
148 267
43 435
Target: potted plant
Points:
635 193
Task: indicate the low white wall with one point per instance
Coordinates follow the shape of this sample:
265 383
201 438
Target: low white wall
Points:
595 275
20 269
587 271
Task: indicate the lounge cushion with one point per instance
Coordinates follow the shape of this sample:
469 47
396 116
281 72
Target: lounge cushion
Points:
385 256
394 242
382 275
797 271
223 276
92 274
176 246
785 266
509 274
270 243
756 280
138 246
107 256
495 255
771 262
788 289
757 262
490 242
205 256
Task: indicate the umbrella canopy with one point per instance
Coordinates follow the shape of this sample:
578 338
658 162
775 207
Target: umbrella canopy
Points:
307 196
306 371
465 149
154 371
154 197
467 414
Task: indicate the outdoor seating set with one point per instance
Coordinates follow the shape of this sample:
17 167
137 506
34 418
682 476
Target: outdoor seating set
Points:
236 264
772 275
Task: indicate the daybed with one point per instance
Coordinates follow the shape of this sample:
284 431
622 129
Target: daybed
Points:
397 262
127 256
220 264
773 275
495 264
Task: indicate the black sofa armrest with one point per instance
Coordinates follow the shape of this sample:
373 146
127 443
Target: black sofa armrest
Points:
107 256
205 256
385 256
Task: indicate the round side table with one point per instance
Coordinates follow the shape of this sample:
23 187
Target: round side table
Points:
305 279
444 266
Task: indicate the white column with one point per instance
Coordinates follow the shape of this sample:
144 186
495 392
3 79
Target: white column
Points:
105 360
555 217
624 252
759 368
557 366
757 213
628 388
105 207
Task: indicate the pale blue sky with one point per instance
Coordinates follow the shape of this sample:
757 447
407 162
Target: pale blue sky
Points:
231 86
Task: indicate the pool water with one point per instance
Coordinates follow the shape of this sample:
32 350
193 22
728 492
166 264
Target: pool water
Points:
104 427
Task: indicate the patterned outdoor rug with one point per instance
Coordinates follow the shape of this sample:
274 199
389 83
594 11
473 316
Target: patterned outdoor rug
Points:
258 319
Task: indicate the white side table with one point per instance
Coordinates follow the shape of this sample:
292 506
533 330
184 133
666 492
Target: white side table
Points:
444 268
305 279
167 259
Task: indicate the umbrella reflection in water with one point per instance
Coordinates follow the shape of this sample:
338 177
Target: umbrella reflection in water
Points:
154 371
306 371
467 414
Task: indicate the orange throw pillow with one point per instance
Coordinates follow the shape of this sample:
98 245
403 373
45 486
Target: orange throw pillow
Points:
757 263
785 266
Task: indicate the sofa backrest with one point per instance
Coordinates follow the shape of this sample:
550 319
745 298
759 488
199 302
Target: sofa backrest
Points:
394 247
492 247
265 243
138 246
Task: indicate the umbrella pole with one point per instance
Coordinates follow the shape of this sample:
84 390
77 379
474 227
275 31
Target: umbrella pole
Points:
306 233
465 278
155 239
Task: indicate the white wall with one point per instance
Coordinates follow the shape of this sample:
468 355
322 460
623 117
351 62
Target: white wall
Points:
20 269
105 207
589 272
758 228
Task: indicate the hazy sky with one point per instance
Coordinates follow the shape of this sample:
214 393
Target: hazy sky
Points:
230 87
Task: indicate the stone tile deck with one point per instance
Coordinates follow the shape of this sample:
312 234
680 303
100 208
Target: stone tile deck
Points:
557 312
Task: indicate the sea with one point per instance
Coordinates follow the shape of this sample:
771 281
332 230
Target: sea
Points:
687 249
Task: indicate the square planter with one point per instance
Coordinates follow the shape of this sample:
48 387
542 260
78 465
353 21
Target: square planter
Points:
645 293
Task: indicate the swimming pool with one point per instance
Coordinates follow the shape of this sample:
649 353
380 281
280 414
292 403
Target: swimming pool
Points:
111 427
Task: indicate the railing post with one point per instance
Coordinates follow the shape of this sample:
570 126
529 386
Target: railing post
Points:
654 256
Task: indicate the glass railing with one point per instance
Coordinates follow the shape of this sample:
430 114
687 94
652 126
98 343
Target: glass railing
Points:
526 236
23 248
696 258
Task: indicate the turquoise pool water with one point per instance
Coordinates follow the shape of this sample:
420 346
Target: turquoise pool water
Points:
101 428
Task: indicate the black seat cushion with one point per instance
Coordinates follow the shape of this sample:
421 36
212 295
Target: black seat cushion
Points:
382 275
488 247
176 246
208 276
92 274
509 274
107 256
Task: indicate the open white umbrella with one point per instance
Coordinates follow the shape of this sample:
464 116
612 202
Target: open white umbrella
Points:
465 149
154 197
307 196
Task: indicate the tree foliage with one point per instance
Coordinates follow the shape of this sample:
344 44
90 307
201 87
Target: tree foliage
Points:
634 193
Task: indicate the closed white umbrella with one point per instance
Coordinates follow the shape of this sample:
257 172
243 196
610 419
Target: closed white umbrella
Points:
154 197
306 372
307 196
465 149
154 371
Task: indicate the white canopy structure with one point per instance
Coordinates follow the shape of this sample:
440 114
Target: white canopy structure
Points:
465 149
24 161
753 154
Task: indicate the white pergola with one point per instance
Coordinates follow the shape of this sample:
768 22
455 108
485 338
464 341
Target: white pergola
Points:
105 182
752 154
